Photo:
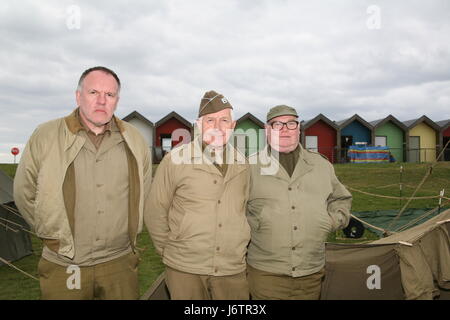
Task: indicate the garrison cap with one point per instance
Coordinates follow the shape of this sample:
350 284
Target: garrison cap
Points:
281 110
213 102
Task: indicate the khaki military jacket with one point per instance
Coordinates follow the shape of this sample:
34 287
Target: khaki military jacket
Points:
45 169
197 216
291 217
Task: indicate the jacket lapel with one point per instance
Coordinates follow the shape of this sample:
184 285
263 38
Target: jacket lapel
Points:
304 165
72 142
236 161
271 166
200 161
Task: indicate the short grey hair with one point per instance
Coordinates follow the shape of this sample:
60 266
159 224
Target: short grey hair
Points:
98 68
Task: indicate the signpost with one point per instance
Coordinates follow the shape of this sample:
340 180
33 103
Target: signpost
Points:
15 151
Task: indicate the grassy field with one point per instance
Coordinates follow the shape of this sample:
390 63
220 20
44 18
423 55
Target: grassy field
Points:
9 169
373 178
384 179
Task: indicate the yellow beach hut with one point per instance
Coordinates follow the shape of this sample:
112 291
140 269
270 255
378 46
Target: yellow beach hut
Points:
422 138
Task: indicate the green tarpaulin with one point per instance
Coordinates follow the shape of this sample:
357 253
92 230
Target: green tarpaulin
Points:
383 218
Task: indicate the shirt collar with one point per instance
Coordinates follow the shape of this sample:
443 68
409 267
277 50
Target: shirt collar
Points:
80 125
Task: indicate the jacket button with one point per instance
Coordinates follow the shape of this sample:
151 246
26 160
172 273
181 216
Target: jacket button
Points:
218 201
218 248
293 269
216 269
293 248
293 207
220 225
289 188
295 228
215 181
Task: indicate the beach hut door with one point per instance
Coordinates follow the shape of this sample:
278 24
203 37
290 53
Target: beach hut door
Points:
414 149
312 143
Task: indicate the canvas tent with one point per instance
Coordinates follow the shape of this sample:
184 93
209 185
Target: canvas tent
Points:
14 242
413 264
6 188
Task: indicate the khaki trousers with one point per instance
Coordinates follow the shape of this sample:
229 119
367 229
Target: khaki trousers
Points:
269 286
187 286
112 280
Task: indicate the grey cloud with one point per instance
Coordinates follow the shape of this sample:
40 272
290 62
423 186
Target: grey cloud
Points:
319 57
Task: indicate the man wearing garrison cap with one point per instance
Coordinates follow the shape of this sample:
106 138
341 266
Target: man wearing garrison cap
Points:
197 215
295 201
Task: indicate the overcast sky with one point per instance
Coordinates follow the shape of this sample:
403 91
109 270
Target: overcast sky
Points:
338 58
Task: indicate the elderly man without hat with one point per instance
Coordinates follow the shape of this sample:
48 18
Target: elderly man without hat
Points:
295 201
197 210
81 185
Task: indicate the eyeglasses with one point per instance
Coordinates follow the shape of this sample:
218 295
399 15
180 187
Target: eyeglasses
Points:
278 125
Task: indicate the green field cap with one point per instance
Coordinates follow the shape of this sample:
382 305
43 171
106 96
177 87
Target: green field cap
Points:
281 110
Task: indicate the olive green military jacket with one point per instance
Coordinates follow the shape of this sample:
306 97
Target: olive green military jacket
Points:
197 217
291 217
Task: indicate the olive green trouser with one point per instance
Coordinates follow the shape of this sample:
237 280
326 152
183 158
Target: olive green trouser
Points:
112 280
269 286
187 286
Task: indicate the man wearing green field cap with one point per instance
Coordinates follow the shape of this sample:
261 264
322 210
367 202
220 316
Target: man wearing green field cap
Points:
295 201
197 215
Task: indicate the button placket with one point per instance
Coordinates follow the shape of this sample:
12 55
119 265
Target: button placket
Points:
100 203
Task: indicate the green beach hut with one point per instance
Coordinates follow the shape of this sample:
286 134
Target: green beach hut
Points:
249 135
390 132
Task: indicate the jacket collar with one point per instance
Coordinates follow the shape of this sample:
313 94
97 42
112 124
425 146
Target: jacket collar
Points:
271 166
74 125
203 162
197 153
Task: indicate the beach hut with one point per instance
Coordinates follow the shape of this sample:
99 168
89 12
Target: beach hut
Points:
249 135
444 137
145 126
390 132
354 131
320 135
169 132
421 139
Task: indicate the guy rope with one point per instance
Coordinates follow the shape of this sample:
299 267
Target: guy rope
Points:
409 199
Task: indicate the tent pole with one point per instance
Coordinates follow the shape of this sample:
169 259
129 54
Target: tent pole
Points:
401 185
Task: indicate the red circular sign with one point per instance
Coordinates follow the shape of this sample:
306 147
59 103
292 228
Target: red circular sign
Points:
15 151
